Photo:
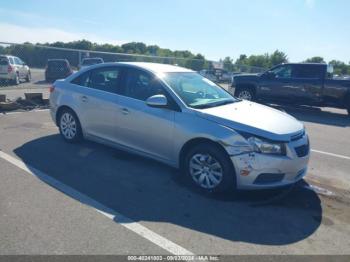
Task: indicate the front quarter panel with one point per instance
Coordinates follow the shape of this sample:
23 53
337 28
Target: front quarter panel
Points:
189 126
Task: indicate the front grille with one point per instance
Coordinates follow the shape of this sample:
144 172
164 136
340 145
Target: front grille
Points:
268 178
302 150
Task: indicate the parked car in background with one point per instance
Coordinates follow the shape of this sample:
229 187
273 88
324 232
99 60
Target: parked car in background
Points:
178 117
224 76
57 69
217 75
302 84
13 69
90 61
208 74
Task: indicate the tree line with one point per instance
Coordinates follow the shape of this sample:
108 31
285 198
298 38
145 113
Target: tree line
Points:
37 56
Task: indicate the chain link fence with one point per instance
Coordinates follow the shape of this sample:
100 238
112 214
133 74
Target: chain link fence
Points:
37 64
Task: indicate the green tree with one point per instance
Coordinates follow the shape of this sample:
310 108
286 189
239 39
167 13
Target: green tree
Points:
340 68
259 60
228 63
315 59
277 57
242 60
134 48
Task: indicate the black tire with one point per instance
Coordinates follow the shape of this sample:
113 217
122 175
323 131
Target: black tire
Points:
228 179
29 77
245 93
73 137
16 80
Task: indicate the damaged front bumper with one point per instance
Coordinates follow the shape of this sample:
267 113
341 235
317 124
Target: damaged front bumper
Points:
262 171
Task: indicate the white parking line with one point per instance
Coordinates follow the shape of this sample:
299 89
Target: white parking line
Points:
111 214
331 154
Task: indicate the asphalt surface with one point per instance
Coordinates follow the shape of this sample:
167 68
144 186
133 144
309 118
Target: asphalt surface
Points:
36 85
59 198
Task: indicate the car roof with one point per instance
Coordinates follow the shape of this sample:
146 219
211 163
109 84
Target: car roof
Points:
315 64
157 68
87 58
56 59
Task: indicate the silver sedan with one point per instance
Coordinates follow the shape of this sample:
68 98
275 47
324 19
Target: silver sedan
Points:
178 117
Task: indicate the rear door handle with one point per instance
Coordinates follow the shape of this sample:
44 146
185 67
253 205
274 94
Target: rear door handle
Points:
125 111
84 98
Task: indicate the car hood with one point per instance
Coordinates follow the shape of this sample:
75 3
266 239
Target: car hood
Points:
254 118
246 76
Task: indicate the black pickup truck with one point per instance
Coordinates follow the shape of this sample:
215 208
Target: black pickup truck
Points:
301 84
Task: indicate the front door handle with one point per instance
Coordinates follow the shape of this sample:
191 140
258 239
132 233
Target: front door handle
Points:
125 111
84 98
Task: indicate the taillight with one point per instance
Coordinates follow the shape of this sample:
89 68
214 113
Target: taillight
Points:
52 89
9 69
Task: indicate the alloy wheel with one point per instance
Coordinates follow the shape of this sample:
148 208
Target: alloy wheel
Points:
206 171
246 95
68 126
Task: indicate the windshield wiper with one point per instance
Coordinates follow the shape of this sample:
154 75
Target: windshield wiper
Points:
220 103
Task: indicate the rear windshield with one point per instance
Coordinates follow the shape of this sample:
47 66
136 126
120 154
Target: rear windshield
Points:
57 63
92 61
4 61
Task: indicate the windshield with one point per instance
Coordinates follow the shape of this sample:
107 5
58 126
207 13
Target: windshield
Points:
57 63
197 91
92 61
3 61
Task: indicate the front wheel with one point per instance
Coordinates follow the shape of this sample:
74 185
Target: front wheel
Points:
210 168
69 126
245 93
347 102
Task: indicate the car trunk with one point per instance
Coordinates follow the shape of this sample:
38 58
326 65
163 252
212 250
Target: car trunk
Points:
57 69
4 64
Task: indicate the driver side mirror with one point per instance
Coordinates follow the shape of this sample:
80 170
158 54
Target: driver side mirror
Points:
157 101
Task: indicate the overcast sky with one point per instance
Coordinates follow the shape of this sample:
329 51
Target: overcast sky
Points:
300 28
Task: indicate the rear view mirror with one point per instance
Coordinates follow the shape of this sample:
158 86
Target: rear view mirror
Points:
157 101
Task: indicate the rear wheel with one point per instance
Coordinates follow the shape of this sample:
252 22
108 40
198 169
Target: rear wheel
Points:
69 126
29 77
16 79
245 93
209 168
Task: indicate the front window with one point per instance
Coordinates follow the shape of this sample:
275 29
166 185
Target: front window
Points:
282 71
197 91
141 85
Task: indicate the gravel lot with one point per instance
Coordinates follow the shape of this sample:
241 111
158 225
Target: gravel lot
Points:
58 198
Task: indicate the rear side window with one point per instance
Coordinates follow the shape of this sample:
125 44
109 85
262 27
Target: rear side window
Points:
308 71
12 62
104 79
82 80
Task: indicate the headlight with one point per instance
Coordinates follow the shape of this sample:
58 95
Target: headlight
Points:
267 147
